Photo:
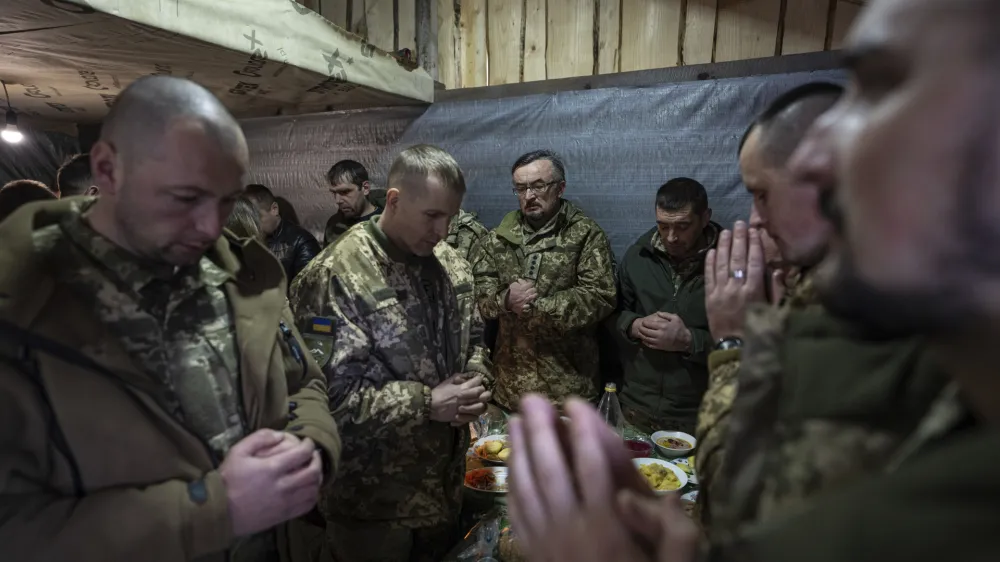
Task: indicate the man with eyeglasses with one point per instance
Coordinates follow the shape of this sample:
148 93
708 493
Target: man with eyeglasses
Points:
547 274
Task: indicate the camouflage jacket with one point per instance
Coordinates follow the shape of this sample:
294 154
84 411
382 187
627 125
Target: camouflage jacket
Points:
551 348
363 306
464 231
107 453
818 403
337 225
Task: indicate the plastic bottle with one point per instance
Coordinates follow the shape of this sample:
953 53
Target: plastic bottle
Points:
611 410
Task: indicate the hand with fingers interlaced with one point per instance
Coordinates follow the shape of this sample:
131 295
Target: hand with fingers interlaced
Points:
734 278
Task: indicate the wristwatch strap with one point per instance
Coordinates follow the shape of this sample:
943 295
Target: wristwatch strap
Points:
728 343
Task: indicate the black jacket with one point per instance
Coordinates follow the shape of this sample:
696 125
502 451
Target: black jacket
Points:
293 246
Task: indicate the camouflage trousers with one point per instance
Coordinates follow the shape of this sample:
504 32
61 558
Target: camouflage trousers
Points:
364 541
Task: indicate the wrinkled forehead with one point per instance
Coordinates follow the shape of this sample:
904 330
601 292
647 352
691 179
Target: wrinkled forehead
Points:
539 170
681 216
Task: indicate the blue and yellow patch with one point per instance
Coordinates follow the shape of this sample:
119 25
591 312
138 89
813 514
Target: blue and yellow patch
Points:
321 325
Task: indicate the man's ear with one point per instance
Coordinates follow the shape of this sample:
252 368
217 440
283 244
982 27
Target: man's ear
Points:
391 198
366 187
92 191
706 216
275 210
104 166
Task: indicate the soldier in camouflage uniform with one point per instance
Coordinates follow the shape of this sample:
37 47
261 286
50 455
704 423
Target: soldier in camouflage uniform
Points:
547 274
808 414
464 231
146 362
662 316
355 204
390 315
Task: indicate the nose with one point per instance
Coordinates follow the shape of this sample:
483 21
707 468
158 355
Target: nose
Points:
209 222
756 219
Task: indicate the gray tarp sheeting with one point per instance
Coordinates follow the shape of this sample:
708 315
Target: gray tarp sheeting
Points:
619 146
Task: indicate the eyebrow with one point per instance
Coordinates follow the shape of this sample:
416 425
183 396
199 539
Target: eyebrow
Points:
852 57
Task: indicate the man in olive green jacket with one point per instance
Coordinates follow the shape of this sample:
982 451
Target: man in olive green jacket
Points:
547 274
390 314
157 401
662 311
803 409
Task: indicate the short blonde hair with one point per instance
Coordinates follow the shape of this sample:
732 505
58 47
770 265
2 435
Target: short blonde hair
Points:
423 160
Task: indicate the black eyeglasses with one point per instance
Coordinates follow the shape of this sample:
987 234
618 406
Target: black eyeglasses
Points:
537 189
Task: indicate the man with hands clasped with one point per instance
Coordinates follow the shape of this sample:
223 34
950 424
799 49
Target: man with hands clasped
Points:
390 315
661 313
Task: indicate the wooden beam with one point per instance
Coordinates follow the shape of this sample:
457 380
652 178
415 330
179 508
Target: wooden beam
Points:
843 20
748 29
381 25
535 40
609 36
504 32
473 53
570 31
805 26
359 19
650 34
447 48
335 11
427 40
406 25
699 31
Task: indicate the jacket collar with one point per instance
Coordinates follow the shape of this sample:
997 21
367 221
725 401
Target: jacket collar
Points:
515 230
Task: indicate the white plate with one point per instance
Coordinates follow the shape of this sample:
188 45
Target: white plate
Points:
691 496
674 453
669 466
500 472
481 441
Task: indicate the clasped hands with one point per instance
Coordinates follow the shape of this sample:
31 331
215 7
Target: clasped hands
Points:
460 399
662 331
575 495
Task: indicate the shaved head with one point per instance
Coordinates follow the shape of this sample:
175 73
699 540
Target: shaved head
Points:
169 164
785 123
145 110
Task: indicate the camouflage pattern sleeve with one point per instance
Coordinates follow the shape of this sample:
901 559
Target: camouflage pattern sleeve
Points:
713 426
352 365
479 355
308 403
490 296
592 299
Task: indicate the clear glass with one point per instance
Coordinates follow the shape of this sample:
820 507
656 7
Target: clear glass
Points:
611 410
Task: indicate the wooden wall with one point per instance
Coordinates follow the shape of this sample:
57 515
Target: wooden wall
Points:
491 42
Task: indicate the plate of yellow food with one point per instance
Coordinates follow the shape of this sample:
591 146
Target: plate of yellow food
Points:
492 448
662 476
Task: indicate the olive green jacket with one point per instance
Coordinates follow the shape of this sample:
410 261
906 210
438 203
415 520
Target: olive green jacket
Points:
93 468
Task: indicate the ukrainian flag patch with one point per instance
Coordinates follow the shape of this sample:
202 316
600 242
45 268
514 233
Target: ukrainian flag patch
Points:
321 325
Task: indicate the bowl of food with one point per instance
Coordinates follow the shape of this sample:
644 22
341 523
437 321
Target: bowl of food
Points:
674 444
638 448
492 448
662 476
490 480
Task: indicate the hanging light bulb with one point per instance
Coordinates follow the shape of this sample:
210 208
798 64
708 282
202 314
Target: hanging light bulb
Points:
10 133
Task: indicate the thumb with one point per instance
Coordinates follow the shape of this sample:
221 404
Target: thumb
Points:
666 315
255 442
778 288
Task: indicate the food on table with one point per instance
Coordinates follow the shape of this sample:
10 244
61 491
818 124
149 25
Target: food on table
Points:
638 448
687 467
485 480
660 478
673 443
691 462
493 450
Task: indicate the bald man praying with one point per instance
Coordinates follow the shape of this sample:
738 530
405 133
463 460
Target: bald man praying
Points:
156 402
